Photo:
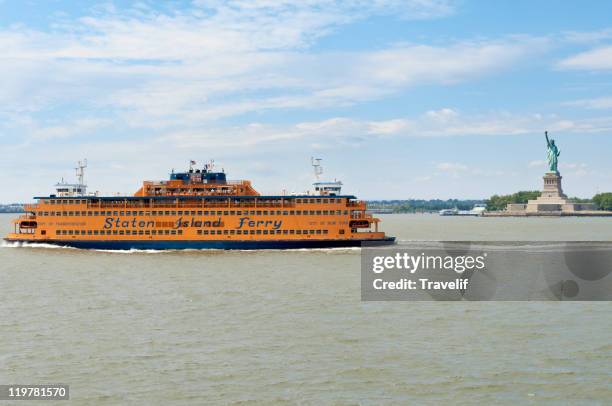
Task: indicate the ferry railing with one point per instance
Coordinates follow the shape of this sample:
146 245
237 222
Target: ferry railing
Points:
30 207
356 203
195 204
361 216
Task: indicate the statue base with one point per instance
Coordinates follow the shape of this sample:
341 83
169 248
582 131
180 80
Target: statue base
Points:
551 201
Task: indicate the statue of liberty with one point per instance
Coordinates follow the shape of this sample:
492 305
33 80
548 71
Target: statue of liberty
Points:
552 154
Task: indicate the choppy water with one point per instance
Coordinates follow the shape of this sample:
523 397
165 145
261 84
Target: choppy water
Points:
288 327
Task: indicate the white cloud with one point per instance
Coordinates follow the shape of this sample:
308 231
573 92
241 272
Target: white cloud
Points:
451 166
598 103
216 60
595 59
536 164
573 165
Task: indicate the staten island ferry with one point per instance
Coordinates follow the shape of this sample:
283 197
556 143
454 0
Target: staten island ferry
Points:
198 209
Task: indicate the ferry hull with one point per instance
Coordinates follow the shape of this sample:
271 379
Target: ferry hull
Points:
199 245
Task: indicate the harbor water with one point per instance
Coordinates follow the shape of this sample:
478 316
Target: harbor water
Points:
289 327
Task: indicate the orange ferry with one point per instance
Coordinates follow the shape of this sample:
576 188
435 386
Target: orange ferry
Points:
198 209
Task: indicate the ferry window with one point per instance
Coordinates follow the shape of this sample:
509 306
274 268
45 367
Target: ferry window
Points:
325 200
259 212
239 232
312 231
298 212
265 231
225 213
205 232
173 232
95 232
232 232
298 231
58 232
345 212
298 200
324 231
312 212
252 232
319 212
115 232
205 213
140 213
180 213
285 212
199 213
292 212
341 232
258 231
199 232
88 232
70 232
225 232
291 231
265 212
121 232
173 213
318 231
218 232
147 232
284 231
122 213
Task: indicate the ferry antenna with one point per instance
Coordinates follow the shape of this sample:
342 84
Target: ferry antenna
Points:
316 164
80 171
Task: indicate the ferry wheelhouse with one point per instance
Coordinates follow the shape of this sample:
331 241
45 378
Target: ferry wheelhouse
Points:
198 209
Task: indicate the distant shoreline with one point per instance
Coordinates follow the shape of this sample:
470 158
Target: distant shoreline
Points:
13 208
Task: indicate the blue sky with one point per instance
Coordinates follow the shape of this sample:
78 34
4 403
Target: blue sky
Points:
401 99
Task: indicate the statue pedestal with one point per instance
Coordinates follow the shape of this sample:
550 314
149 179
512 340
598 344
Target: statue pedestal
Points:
552 187
553 199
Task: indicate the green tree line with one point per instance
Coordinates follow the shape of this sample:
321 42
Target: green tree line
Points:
499 202
603 201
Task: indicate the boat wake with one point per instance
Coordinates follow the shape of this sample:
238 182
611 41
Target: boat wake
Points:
14 244
330 251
